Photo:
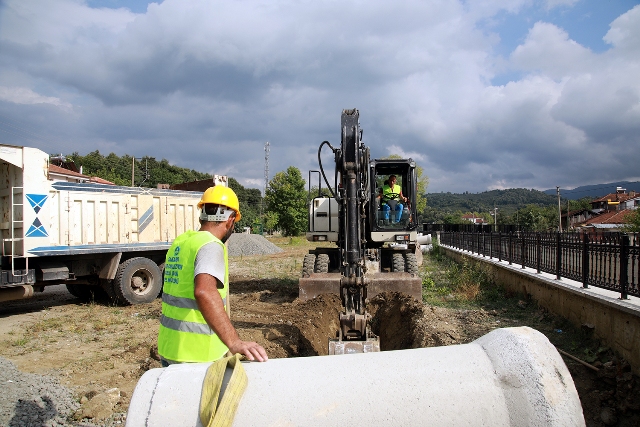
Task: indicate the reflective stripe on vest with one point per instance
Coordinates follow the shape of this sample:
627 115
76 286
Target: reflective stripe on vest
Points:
184 334
184 302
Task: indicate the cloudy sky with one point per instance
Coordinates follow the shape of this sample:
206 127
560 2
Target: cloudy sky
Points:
483 94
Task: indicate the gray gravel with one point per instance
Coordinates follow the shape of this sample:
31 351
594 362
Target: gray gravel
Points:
33 400
250 244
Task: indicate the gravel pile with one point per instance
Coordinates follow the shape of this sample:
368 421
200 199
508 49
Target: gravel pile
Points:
250 244
33 400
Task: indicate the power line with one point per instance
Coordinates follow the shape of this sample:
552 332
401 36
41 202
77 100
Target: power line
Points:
24 133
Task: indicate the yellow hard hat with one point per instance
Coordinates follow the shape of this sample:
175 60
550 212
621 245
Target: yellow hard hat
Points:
221 195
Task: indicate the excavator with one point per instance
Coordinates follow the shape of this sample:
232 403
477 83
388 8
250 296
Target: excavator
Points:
375 232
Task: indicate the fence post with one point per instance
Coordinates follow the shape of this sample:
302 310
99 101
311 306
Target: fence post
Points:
538 251
585 261
523 250
558 255
624 265
499 246
491 244
510 252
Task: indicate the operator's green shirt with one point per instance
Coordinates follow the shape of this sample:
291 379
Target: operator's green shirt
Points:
184 334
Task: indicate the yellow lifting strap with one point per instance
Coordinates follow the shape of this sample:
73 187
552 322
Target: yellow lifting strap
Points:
216 411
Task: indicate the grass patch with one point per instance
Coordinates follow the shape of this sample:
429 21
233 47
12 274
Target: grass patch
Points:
450 284
20 342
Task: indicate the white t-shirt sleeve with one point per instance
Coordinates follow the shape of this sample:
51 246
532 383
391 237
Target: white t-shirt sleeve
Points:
210 260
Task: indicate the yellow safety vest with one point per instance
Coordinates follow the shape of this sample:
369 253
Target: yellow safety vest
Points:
184 334
389 193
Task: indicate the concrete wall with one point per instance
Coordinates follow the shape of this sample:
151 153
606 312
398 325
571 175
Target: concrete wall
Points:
616 322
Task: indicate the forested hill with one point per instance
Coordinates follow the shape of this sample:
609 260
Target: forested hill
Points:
149 172
506 200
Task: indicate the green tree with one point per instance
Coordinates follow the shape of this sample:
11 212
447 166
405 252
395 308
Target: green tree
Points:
633 222
286 196
536 218
270 221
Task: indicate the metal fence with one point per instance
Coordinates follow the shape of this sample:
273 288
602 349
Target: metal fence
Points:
604 260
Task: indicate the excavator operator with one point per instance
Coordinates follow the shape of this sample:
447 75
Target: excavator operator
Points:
391 198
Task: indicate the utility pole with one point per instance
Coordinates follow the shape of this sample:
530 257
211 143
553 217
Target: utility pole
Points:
559 211
266 176
495 217
133 170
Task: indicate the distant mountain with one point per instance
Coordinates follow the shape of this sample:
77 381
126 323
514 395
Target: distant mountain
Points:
507 200
596 190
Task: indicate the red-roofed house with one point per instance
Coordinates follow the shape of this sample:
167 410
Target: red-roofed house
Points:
57 173
612 201
609 221
473 219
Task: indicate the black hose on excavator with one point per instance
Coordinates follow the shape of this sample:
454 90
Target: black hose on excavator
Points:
333 194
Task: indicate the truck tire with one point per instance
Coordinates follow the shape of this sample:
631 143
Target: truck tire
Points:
308 264
138 281
411 265
322 263
397 263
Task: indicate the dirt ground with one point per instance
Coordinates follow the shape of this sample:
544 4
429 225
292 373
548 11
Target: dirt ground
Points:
95 346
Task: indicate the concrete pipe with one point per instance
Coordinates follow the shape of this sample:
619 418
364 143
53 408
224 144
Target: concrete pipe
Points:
15 293
509 377
424 239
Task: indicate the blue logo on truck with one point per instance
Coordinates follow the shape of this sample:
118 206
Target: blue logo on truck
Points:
37 202
37 230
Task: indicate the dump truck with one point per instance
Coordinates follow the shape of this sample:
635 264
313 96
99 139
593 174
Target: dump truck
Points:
375 234
92 237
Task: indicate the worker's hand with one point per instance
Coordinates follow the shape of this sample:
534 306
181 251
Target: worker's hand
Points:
251 350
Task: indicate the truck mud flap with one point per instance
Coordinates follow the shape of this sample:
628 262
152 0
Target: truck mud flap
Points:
329 283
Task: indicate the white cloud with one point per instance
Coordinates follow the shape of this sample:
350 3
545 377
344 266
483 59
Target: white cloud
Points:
548 49
624 33
206 84
21 95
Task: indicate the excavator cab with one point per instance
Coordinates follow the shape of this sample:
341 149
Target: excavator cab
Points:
392 209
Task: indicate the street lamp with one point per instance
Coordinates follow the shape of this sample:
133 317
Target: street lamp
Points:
494 214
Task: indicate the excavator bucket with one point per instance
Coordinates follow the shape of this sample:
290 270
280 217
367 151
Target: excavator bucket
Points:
329 283
349 347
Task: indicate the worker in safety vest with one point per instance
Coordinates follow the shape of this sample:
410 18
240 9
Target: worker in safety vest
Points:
391 198
195 326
